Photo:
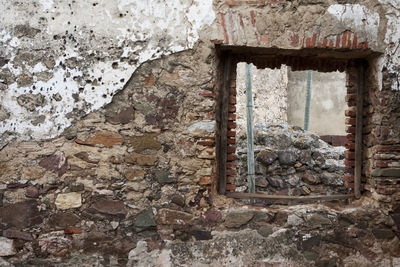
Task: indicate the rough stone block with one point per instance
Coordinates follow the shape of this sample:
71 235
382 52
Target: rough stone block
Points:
68 201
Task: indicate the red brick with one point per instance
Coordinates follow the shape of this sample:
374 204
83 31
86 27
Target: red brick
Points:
72 230
325 42
231 125
231 172
230 179
350 163
349 178
232 100
224 28
354 41
351 97
264 39
351 137
308 42
348 185
351 112
231 108
253 19
231 141
351 121
344 39
381 163
349 154
231 149
231 165
232 91
337 41
207 94
350 145
349 40
231 157
351 129
385 190
205 180
349 170
331 44
206 143
314 40
230 187
231 116
231 133
388 148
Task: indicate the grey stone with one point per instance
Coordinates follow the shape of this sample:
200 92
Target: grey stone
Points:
178 199
238 218
63 220
7 247
266 157
312 178
145 219
38 120
383 233
31 101
16 234
21 215
330 178
24 30
4 114
207 126
317 220
163 177
318 157
287 157
265 230
261 182
110 207
386 172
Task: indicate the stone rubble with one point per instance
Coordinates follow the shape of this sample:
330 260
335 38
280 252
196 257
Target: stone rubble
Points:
291 161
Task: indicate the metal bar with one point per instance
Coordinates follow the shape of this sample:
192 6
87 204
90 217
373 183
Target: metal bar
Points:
250 137
289 198
308 101
223 144
359 124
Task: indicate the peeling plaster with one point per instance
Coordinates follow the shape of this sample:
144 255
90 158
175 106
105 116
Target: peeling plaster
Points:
357 17
107 40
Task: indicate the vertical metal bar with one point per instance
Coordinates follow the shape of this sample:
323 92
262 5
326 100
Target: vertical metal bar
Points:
308 101
223 143
359 124
250 137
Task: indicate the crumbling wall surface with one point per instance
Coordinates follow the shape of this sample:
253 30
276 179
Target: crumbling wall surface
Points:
132 180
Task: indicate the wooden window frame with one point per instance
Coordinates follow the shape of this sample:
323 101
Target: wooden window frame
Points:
299 60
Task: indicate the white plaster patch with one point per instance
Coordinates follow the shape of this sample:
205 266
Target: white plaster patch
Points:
358 17
143 30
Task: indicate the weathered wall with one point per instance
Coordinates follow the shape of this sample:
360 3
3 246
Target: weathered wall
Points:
60 60
327 101
130 181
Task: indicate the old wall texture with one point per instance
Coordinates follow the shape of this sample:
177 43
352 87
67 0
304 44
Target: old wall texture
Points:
108 134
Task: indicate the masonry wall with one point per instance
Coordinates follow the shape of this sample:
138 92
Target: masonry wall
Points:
122 170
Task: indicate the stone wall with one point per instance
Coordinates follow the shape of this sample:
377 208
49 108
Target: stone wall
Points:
122 170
